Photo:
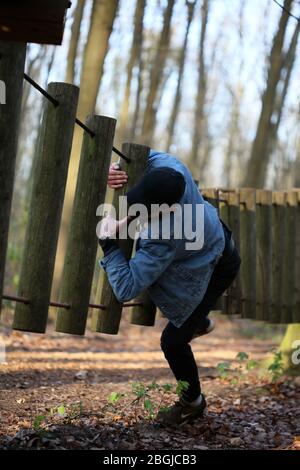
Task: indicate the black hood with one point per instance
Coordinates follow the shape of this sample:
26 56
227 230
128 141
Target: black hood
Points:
162 185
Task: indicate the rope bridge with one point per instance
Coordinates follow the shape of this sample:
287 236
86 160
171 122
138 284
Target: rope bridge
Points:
265 224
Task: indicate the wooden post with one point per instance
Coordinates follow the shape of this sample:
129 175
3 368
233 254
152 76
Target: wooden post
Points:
248 251
49 180
224 215
12 59
289 264
108 320
235 301
211 195
296 309
263 254
82 243
143 314
230 213
278 243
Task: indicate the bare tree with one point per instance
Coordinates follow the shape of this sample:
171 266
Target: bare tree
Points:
260 154
289 60
297 162
234 132
135 58
102 20
73 44
196 161
137 99
181 61
156 76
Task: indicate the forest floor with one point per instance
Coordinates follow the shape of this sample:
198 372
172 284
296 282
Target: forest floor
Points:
54 391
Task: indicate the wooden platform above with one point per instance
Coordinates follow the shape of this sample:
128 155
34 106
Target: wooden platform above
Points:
33 20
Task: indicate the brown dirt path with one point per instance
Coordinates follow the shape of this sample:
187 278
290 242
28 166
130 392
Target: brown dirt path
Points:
46 371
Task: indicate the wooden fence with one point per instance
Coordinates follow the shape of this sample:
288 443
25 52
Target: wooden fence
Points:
266 229
266 225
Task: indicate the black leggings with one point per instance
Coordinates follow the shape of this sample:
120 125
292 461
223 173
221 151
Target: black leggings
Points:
175 341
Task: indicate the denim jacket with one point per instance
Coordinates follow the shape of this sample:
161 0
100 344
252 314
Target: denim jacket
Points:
175 278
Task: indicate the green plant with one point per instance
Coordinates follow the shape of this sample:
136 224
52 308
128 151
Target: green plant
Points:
244 364
149 407
114 397
142 395
61 411
67 413
276 368
252 364
139 390
242 356
167 387
37 423
181 386
223 369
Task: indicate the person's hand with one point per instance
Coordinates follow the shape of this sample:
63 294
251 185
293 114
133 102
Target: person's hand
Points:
110 227
116 177
109 231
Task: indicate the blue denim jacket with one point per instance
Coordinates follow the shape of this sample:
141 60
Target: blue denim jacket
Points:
175 278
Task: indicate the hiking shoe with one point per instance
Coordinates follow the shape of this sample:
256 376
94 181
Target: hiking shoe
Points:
209 327
181 412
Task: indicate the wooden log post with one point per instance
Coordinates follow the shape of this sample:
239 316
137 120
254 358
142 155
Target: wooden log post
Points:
211 195
82 242
296 309
12 60
145 313
289 264
248 251
108 320
230 213
49 180
235 299
278 244
263 254
224 215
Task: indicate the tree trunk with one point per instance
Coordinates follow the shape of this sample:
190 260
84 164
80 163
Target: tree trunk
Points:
267 133
258 163
289 61
136 114
287 347
12 60
73 44
297 163
156 76
199 119
181 61
293 331
102 19
233 137
136 48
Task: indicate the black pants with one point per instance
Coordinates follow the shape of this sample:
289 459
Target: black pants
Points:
175 341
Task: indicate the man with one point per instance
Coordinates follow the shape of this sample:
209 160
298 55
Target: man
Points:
183 279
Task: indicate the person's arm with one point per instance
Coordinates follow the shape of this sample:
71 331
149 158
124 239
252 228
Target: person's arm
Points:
130 278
